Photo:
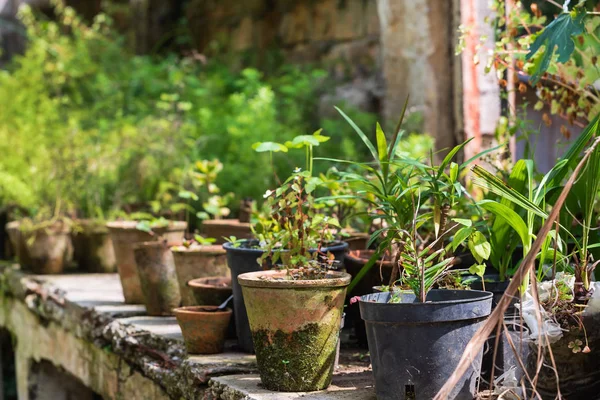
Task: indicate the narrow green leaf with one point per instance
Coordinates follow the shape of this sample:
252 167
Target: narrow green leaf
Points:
360 133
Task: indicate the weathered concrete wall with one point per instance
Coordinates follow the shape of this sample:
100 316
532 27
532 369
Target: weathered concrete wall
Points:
418 60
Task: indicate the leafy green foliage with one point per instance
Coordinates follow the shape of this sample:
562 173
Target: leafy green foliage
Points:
87 125
556 37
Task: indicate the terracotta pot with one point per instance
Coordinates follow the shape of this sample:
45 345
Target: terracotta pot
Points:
198 262
203 330
125 236
93 248
210 291
295 327
220 228
357 241
18 244
156 270
45 250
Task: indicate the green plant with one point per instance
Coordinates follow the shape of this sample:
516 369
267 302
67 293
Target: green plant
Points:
415 201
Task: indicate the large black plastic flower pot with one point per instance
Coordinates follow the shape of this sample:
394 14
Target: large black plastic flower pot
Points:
416 346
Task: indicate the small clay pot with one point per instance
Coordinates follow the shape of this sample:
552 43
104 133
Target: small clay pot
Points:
295 327
203 330
44 250
224 228
156 270
93 248
211 291
125 236
198 262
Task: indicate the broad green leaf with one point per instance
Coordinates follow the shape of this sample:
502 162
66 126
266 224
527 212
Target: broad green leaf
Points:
460 236
463 221
303 140
556 37
453 172
479 246
511 217
477 269
186 194
262 147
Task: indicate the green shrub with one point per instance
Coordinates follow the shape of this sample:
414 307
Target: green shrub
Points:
90 127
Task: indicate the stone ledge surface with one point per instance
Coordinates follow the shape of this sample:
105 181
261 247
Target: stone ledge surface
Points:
89 312
247 387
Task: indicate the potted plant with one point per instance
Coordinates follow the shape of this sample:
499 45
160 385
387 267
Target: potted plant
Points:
243 254
158 281
126 235
415 202
92 246
198 258
215 208
295 312
44 244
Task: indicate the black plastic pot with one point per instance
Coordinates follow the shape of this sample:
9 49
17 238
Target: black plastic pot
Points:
416 346
242 259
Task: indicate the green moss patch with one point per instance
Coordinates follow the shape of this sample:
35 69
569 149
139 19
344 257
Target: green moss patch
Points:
298 361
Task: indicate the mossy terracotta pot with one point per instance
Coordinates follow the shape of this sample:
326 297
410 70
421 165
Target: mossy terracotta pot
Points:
16 240
210 291
224 228
198 262
45 249
156 270
125 236
93 248
295 327
203 328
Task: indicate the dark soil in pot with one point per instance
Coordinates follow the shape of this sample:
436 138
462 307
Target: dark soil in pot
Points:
156 270
203 328
379 274
295 327
224 228
125 236
243 259
579 371
45 249
93 248
198 262
210 291
415 347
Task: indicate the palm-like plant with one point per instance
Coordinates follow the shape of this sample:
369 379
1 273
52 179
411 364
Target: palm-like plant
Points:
415 203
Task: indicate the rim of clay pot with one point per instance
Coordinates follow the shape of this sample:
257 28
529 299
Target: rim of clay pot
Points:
12 225
225 222
204 283
365 256
210 249
57 227
89 226
151 243
130 225
257 279
199 310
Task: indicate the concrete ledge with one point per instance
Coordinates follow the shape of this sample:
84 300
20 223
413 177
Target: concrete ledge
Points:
247 387
80 324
